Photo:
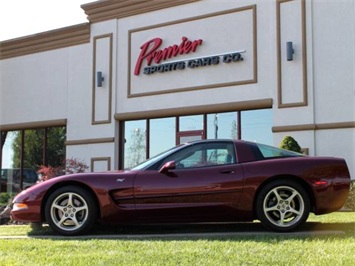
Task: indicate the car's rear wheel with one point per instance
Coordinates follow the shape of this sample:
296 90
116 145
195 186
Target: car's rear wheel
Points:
70 210
283 205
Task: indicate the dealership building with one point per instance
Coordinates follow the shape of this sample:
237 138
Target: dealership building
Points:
142 76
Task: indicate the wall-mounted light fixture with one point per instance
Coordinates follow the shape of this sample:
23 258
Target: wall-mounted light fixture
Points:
99 79
289 51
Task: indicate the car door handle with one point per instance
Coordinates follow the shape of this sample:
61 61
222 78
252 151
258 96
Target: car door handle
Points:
227 172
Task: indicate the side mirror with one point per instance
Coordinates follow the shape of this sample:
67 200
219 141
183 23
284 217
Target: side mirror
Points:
167 166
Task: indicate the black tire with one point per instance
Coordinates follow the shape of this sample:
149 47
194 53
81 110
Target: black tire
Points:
70 211
282 206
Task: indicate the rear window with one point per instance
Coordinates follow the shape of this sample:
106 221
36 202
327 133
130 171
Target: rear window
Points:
269 152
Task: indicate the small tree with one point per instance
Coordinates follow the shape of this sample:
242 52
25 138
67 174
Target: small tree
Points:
73 166
69 166
289 143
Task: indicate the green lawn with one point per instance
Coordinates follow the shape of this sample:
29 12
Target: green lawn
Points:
325 240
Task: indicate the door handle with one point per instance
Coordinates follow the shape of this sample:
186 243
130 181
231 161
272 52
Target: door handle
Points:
227 172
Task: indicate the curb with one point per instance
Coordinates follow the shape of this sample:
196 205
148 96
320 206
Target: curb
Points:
183 235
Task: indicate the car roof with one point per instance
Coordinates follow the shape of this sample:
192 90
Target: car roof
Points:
217 140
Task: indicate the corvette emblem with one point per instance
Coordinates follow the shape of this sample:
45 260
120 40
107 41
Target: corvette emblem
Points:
120 180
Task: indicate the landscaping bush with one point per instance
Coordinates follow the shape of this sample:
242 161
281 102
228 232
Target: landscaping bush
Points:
69 166
350 203
5 198
5 201
289 143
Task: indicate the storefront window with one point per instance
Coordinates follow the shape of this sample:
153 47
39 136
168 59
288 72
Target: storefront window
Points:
252 125
256 126
7 150
222 126
55 146
25 151
33 149
190 123
162 135
7 163
135 146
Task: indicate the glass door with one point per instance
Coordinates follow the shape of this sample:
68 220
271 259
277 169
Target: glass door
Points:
187 136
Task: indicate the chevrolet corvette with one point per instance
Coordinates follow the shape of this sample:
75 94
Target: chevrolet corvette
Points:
204 181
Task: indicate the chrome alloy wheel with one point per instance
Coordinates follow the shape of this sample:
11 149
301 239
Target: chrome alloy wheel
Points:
283 206
69 211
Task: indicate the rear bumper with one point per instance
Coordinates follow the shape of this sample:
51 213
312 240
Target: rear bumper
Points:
333 197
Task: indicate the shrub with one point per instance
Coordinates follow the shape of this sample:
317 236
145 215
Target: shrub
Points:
5 198
350 203
48 172
69 166
73 166
289 143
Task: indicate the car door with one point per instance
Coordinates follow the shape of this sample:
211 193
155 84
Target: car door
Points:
204 186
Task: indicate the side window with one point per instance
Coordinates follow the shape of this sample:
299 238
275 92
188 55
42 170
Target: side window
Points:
194 160
191 156
202 155
220 153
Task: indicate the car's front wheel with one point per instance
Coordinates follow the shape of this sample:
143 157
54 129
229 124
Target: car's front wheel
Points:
283 205
70 210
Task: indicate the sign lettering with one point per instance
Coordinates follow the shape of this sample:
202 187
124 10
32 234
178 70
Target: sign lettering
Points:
150 52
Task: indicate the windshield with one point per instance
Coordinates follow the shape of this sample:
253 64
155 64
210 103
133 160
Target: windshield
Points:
156 158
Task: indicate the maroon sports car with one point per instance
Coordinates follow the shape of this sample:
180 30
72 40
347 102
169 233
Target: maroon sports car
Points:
204 181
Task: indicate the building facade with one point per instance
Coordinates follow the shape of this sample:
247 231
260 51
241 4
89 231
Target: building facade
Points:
142 76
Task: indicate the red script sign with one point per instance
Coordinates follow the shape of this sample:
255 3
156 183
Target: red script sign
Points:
151 53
